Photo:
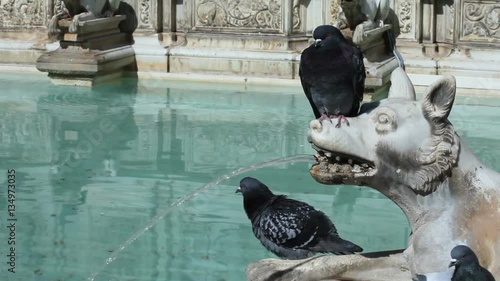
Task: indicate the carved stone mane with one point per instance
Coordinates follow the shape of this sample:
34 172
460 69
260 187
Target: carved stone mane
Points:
438 154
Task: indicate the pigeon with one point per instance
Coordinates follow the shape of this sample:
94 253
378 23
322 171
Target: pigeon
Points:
332 75
464 266
467 267
289 228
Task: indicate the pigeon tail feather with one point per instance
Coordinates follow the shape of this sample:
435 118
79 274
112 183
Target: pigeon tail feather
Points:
337 245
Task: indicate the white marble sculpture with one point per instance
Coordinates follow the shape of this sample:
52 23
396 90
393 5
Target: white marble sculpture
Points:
409 151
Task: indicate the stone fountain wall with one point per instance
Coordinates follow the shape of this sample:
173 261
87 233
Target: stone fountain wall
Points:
458 37
265 37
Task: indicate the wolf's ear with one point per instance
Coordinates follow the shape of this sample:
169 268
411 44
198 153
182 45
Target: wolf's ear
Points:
437 103
401 86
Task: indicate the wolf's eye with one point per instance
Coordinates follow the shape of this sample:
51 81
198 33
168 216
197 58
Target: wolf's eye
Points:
383 119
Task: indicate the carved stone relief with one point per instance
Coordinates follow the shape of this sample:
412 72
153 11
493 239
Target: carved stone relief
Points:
451 27
296 15
260 14
58 7
335 11
481 21
144 8
21 13
404 14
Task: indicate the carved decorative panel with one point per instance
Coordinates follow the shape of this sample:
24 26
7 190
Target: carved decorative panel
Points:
257 15
480 21
24 13
406 11
58 7
143 13
297 22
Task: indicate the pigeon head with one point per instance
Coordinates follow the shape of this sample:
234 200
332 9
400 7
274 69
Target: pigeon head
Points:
251 187
462 255
326 31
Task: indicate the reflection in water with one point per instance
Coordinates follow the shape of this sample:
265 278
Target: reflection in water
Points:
185 198
93 167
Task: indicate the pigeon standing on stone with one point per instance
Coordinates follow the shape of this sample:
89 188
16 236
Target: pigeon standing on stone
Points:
466 268
333 75
288 228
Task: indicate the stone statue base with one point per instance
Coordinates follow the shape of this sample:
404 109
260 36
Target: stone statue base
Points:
98 53
379 62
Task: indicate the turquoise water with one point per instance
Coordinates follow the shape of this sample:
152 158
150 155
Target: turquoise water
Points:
93 167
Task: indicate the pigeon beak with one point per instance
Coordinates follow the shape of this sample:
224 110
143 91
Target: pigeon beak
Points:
238 190
452 263
317 42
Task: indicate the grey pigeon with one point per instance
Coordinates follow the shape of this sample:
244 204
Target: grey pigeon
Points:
289 228
333 75
466 268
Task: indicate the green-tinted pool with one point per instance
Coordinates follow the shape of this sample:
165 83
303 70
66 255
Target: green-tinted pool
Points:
92 167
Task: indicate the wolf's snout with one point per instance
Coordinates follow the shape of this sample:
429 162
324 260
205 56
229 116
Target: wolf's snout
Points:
316 126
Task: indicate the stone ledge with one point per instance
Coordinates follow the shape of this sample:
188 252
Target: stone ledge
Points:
240 54
466 86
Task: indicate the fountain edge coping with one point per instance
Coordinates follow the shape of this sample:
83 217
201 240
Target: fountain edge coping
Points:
466 86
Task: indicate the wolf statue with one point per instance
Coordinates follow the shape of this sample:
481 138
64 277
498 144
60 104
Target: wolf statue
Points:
409 151
82 10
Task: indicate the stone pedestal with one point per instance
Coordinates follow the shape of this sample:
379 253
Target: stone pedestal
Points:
379 61
99 52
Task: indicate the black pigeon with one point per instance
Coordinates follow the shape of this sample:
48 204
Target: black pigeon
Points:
333 75
288 228
466 268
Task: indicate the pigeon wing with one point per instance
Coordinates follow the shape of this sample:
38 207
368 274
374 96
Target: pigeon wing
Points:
487 275
359 73
305 80
290 223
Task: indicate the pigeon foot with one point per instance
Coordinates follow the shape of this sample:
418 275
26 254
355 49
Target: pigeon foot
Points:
324 117
340 118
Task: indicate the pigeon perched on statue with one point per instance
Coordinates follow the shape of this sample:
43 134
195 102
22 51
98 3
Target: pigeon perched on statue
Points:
288 228
464 266
333 75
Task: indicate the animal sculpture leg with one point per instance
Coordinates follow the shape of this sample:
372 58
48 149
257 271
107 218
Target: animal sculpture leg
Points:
73 28
53 24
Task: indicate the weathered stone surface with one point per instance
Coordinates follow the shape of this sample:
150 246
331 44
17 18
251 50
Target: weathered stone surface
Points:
230 62
22 13
85 62
265 15
480 21
431 34
388 266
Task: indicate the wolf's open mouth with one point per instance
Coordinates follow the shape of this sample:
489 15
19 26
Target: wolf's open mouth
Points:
339 168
